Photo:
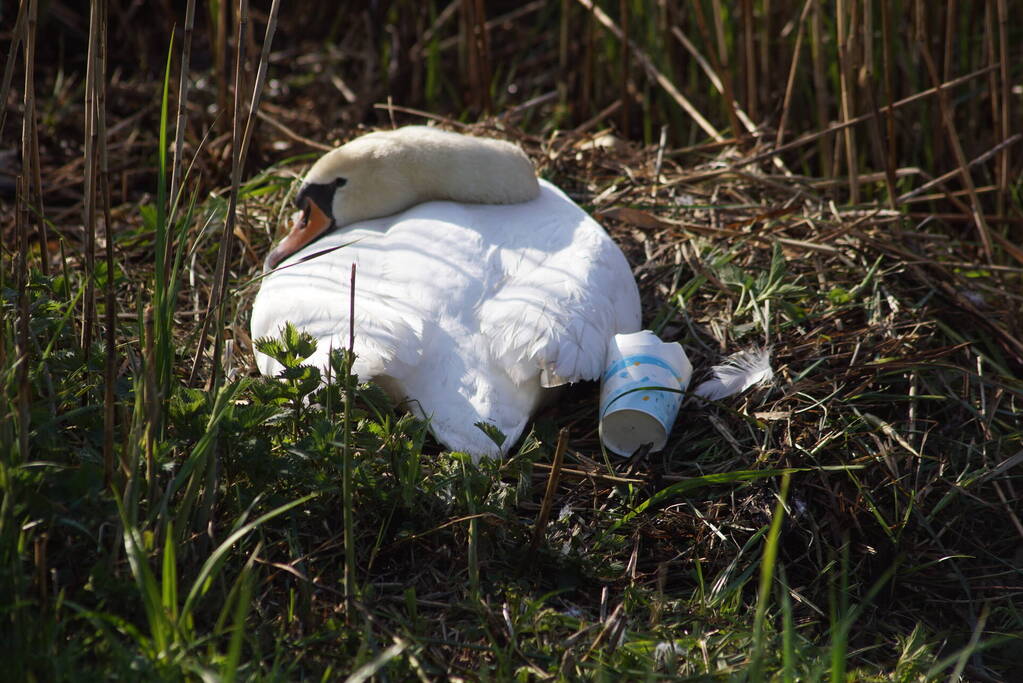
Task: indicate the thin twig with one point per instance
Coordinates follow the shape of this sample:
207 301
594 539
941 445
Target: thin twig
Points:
845 86
712 76
23 348
890 157
292 134
179 127
719 56
1006 87
12 52
811 137
552 486
215 308
793 69
906 196
347 461
110 297
957 150
257 88
652 70
30 141
91 134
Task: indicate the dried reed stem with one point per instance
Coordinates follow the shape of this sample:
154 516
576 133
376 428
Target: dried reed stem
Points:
563 43
586 88
719 58
151 400
996 150
12 52
845 66
867 77
295 136
30 141
347 464
713 77
257 88
820 90
22 343
837 127
227 238
474 23
877 144
652 71
552 486
749 59
950 29
793 69
90 171
624 97
886 32
181 121
957 149
220 52
1006 87
990 51
239 150
110 299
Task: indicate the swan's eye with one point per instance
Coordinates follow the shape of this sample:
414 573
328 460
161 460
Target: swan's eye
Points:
320 195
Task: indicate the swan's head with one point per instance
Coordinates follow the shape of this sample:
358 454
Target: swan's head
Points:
382 173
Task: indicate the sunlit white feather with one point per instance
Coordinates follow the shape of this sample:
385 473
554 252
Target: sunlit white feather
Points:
739 372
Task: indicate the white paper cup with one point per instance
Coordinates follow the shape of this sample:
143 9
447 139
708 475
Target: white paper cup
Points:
640 391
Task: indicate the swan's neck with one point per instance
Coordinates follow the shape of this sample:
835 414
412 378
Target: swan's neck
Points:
390 171
462 168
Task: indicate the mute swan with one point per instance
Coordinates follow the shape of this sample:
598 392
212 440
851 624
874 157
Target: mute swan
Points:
478 287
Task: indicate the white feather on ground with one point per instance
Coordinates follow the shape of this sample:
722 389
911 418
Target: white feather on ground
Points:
739 372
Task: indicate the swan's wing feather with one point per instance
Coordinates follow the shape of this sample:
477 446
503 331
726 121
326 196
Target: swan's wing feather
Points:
559 306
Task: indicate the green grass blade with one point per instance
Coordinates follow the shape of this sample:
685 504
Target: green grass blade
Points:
145 582
216 559
169 576
242 604
688 485
767 565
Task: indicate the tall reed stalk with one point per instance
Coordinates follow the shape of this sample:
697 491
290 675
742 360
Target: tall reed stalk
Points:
91 172
30 139
110 295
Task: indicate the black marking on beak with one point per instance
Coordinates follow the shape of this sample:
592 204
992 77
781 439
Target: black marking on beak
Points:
321 194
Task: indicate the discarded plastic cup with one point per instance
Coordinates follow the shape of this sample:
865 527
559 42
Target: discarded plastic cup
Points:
640 391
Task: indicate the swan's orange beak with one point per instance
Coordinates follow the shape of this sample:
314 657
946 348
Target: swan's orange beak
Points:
308 225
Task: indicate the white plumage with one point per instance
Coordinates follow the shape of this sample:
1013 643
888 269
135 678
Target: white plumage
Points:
466 310
739 372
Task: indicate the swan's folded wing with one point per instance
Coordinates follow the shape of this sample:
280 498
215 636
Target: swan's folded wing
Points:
316 299
558 308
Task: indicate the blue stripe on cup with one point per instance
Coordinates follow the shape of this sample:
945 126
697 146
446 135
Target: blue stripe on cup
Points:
641 359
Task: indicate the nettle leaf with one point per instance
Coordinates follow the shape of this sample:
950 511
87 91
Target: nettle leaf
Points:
188 410
341 362
270 347
290 349
186 402
300 344
271 391
376 398
305 377
495 434
248 417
